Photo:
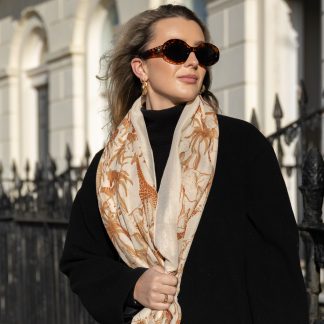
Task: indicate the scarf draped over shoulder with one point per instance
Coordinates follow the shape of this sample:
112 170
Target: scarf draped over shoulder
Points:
148 227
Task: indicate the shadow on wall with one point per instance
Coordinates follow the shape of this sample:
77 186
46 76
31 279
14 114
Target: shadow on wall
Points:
14 8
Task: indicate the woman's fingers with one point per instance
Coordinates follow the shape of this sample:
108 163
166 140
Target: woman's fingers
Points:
167 299
168 279
162 298
165 289
156 289
159 301
164 302
165 278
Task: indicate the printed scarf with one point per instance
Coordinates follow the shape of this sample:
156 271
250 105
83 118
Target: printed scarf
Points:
148 227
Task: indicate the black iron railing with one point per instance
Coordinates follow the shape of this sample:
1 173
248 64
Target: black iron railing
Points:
34 216
310 170
312 229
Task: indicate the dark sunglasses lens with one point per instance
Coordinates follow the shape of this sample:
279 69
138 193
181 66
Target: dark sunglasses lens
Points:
176 51
207 54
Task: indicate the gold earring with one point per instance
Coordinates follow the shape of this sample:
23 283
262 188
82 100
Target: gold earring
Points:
144 93
144 88
203 88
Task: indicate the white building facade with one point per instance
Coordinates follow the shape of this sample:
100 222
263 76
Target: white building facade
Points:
49 59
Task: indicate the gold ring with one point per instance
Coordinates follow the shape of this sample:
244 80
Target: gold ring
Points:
166 297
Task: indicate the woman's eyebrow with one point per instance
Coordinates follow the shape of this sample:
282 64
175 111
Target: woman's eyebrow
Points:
195 43
198 42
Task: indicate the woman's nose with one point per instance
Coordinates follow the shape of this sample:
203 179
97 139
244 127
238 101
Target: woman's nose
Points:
192 60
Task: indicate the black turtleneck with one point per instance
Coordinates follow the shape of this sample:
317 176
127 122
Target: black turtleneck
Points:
160 126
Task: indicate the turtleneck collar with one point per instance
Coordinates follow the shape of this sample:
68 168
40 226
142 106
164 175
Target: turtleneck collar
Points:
160 125
163 115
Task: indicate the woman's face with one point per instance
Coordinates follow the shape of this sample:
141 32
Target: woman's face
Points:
170 84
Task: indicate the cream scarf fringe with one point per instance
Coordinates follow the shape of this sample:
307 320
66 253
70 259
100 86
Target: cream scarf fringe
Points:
149 227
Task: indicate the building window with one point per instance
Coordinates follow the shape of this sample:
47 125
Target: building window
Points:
43 123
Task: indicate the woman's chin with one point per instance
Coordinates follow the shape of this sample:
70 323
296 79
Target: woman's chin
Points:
189 96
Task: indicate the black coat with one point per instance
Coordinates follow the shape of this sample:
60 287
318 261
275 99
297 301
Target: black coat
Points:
243 265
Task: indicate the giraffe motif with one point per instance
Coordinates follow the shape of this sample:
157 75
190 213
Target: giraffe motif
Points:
147 193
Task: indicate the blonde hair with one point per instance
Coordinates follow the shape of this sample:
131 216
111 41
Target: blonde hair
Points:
123 87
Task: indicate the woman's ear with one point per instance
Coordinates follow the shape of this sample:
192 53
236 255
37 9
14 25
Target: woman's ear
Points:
138 67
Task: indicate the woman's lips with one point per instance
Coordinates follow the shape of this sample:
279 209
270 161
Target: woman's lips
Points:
191 79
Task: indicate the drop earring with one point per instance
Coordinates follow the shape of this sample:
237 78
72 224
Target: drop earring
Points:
144 88
144 93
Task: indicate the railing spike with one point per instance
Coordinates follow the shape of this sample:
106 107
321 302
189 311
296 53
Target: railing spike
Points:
87 154
14 168
254 119
302 93
27 169
277 112
38 172
68 155
51 168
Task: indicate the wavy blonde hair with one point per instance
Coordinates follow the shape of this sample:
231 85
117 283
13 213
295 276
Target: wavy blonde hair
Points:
123 87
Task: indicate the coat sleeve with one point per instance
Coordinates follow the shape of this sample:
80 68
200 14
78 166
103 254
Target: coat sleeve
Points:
275 283
96 273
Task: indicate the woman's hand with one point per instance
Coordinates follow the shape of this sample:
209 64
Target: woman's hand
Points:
153 286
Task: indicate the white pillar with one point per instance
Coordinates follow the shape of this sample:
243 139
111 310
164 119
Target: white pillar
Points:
233 26
67 107
9 143
258 58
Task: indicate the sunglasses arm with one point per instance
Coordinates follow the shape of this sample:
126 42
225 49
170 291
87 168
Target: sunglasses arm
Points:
153 52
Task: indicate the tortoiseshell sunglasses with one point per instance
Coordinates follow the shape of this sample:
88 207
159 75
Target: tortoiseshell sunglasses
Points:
176 51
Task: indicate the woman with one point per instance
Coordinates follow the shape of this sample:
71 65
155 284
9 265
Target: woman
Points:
160 233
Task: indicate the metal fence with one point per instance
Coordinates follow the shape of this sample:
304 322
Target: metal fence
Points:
34 213
310 177
34 216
